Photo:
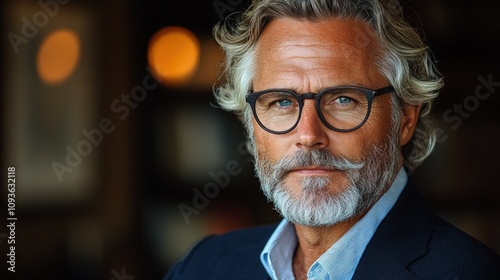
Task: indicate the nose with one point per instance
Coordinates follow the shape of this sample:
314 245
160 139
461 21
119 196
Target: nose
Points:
311 132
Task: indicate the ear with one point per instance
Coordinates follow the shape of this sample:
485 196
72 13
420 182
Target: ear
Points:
408 123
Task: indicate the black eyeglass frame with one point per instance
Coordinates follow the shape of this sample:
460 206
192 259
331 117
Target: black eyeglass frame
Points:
370 94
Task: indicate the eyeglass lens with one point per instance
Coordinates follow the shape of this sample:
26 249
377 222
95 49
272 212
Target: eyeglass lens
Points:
341 108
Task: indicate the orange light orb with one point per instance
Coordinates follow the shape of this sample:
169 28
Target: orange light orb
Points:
58 56
173 54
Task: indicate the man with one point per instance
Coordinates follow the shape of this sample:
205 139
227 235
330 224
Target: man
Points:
335 96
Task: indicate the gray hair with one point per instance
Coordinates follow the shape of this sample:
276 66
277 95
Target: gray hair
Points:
405 60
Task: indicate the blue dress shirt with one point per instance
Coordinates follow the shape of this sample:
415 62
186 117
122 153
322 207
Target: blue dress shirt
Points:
341 259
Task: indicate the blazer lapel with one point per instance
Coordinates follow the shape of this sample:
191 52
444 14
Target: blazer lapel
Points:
401 238
244 262
241 267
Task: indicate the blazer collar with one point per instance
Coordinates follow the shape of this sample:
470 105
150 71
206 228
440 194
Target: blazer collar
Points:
400 239
244 262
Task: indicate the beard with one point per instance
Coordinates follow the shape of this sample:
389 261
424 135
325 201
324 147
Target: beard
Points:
315 205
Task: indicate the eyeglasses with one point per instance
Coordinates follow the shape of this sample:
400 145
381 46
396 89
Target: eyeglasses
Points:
340 108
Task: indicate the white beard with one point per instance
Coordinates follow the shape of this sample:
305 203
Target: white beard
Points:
315 205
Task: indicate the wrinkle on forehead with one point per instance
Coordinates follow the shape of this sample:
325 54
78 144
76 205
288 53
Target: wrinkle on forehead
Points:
290 45
349 34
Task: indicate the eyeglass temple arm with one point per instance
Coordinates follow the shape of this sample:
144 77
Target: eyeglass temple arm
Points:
384 90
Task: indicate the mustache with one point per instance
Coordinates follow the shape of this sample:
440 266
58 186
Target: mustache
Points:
321 158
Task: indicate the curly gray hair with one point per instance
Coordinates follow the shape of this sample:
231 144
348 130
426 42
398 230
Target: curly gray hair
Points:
405 61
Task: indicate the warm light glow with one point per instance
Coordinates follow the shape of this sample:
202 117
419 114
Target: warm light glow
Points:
58 56
173 54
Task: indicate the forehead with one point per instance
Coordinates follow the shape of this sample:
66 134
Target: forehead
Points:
333 51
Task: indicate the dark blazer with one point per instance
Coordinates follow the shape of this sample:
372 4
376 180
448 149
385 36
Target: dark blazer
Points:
410 243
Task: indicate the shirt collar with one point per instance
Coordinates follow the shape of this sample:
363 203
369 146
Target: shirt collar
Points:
341 259
278 252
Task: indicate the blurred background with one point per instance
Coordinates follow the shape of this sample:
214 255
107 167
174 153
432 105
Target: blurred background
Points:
122 161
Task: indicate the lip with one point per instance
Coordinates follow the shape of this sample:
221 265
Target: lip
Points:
313 171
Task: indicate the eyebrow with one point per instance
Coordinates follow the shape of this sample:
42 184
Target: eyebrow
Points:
317 91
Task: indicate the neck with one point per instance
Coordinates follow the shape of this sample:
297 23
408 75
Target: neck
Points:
315 241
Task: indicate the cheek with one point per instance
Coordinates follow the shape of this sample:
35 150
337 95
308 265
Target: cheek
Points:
266 144
354 145
350 145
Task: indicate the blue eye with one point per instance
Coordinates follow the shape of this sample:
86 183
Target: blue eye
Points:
344 100
285 102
